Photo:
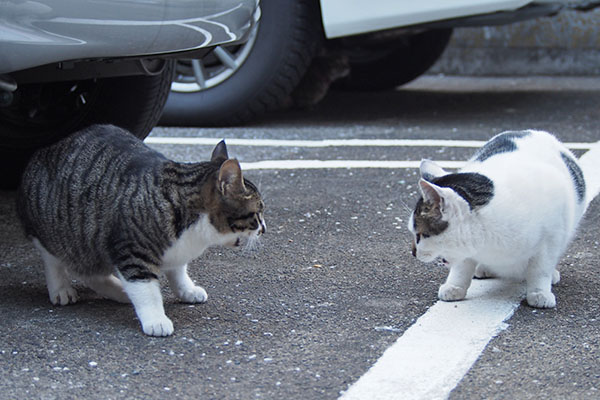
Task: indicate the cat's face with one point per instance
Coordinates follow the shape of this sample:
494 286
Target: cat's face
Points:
237 206
428 228
437 220
438 237
245 217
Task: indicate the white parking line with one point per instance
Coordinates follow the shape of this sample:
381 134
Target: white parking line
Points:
435 353
198 141
328 164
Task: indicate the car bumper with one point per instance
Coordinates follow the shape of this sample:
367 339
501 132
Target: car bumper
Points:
49 31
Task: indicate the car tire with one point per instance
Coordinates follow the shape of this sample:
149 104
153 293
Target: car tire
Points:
387 67
57 109
287 37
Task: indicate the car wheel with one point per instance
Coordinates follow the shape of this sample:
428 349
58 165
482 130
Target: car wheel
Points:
386 67
36 115
234 84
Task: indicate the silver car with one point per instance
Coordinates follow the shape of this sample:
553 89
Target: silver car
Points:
69 63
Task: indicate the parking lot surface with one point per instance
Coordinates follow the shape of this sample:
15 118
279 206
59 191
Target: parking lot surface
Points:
332 284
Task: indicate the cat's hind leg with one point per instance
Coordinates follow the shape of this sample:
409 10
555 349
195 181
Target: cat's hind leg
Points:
541 274
483 272
183 286
57 280
108 286
458 281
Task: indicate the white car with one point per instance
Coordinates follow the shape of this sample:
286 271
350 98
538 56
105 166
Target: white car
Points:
387 43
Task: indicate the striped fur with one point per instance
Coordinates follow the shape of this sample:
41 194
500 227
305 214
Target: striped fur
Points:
103 203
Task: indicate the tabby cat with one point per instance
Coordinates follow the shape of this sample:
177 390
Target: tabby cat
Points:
105 208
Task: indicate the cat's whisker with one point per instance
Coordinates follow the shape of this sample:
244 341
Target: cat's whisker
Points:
405 206
252 246
260 182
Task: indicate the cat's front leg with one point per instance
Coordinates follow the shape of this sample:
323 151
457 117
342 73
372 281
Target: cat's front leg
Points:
143 289
483 272
183 286
458 281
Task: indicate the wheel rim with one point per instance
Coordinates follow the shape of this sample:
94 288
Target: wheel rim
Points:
199 74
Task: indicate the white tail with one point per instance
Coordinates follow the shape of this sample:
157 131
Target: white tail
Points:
590 165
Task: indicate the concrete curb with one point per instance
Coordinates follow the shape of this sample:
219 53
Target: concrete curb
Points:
568 44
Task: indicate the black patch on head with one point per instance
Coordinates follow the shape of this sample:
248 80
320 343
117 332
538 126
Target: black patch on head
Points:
576 175
427 219
476 189
502 143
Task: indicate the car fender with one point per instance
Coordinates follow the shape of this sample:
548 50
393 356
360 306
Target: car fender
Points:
48 31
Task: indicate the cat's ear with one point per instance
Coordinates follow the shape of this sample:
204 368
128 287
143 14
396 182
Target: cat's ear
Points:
220 152
450 203
431 193
231 180
430 170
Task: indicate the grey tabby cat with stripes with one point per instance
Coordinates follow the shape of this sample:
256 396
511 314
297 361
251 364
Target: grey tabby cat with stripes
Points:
106 209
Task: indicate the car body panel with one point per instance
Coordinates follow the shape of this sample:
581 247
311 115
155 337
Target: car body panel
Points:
351 17
34 33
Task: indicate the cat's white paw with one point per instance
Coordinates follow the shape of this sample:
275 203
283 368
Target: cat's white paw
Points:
449 292
541 299
555 277
482 272
194 294
63 296
161 326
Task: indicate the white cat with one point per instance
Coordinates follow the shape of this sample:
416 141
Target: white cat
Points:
510 212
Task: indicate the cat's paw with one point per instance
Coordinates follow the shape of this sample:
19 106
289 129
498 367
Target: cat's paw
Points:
161 326
555 277
193 295
449 292
541 299
482 272
63 296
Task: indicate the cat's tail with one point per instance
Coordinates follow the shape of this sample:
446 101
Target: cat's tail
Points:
590 165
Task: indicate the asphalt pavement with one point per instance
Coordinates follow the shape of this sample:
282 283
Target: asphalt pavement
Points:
332 284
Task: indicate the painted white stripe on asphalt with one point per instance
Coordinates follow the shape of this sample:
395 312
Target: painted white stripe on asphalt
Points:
435 353
590 165
198 141
328 164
